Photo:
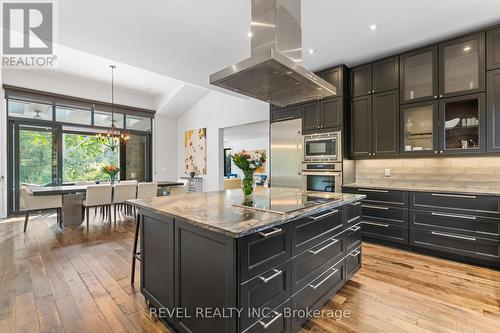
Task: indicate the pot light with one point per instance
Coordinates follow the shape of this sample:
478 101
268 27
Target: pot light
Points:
373 26
249 34
311 51
467 49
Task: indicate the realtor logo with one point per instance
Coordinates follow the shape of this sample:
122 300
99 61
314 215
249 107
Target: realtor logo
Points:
27 28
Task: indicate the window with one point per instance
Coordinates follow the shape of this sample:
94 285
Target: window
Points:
138 123
84 158
22 109
73 115
103 119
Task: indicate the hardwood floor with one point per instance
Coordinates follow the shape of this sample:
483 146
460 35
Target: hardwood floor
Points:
78 281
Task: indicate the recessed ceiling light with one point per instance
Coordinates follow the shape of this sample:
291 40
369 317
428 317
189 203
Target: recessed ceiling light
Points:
311 51
467 48
373 26
249 34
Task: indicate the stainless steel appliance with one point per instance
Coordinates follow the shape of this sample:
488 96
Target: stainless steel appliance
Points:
274 73
321 177
323 147
286 153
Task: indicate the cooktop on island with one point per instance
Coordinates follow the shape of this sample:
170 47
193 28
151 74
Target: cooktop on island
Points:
283 204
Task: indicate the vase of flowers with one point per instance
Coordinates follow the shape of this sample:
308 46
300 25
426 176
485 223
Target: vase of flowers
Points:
111 171
248 163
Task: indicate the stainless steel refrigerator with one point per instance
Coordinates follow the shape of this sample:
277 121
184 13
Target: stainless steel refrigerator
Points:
286 153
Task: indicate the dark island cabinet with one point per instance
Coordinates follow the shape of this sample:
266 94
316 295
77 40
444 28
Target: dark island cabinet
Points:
323 114
386 124
462 66
493 110
493 48
385 75
419 75
361 81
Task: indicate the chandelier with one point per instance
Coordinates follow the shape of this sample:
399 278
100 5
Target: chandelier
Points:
113 138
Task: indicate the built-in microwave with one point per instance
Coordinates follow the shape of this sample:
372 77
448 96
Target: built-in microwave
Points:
321 177
323 147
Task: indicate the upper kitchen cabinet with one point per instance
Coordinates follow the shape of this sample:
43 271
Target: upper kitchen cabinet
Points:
385 123
361 126
286 113
419 128
462 66
493 110
493 48
323 115
462 124
385 75
419 75
335 76
361 81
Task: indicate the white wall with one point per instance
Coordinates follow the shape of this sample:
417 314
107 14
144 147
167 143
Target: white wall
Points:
249 144
165 148
216 111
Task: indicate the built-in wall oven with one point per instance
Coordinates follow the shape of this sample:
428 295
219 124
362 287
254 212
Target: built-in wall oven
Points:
321 177
323 147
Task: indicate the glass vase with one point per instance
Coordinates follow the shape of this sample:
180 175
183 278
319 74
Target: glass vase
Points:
248 185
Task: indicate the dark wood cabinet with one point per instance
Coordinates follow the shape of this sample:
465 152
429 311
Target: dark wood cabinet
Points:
493 111
386 124
361 126
493 48
323 114
287 113
419 128
419 75
361 81
335 76
385 75
462 65
462 124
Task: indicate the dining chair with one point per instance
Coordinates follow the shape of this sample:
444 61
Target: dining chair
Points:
30 203
128 182
123 192
144 191
97 196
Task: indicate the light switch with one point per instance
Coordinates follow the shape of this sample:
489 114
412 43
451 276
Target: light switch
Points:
387 172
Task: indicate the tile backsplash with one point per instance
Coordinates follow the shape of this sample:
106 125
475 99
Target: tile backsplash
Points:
456 172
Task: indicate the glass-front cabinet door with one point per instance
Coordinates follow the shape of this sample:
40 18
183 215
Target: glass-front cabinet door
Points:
462 65
419 124
462 124
419 79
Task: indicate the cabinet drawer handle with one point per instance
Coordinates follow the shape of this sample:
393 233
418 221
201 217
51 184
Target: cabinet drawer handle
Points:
276 274
453 195
377 224
316 286
454 236
465 217
355 253
371 190
355 228
270 322
375 207
315 218
353 219
357 203
271 233
324 247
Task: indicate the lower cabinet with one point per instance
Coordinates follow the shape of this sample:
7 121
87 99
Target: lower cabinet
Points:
385 232
274 321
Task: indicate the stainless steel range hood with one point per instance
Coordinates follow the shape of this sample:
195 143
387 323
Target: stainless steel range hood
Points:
274 73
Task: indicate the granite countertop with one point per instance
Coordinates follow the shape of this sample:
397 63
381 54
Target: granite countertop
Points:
414 188
215 210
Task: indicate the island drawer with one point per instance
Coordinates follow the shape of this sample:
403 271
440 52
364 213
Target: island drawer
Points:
312 230
261 251
459 203
385 231
353 238
265 291
472 225
457 244
317 293
381 196
275 321
391 215
353 213
308 265
352 263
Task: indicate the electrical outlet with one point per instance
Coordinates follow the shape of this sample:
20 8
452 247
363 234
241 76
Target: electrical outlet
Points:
387 172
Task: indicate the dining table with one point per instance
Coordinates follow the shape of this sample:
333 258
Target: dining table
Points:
73 195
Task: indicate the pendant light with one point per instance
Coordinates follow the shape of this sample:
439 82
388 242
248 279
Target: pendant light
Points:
113 138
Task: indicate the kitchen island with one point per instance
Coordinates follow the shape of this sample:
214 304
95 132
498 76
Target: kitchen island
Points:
209 263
